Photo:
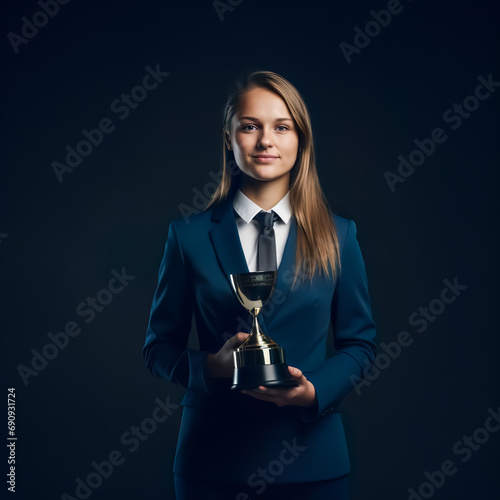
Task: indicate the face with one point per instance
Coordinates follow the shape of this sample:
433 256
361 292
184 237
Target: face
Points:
263 136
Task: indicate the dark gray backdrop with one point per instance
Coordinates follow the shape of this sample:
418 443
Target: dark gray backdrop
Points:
62 238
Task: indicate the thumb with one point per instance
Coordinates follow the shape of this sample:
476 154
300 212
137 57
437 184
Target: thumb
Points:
295 372
239 338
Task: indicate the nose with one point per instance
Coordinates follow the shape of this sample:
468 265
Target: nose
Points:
265 139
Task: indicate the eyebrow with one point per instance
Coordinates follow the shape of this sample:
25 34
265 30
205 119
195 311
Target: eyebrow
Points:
256 119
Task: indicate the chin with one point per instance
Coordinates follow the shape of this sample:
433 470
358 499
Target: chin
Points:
265 173
266 177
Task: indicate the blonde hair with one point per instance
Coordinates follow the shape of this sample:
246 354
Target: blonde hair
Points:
317 247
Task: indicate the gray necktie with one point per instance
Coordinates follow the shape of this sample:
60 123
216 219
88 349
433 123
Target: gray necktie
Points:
266 250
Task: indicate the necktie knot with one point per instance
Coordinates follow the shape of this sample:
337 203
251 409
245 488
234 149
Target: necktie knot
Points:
266 220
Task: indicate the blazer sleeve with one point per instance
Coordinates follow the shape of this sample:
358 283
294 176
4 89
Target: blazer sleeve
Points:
165 351
353 332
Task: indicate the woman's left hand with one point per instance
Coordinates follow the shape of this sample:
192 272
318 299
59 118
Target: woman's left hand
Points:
304 394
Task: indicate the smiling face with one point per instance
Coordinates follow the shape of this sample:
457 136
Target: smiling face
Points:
263 136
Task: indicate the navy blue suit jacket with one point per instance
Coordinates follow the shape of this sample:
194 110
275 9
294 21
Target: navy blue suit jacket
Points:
227 435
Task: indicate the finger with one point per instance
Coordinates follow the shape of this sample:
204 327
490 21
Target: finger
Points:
240 337
257 390
274 393
236 340
295 372
260 395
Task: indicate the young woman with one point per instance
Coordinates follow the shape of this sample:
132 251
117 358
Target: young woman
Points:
266 442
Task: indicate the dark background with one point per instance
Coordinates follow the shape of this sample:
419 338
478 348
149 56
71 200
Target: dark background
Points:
60 241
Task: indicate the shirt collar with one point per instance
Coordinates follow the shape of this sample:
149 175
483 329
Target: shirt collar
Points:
247 209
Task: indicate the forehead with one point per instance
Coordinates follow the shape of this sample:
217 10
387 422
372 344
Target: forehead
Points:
262 103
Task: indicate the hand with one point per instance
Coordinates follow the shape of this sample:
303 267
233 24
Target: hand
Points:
221 364
302 395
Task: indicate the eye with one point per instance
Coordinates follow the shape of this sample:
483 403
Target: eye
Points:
283 127
245 127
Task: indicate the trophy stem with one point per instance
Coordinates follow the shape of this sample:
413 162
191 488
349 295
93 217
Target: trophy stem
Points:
257 338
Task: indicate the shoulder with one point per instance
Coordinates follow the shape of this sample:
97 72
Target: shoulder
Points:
344 227
346 234
193 222
190 229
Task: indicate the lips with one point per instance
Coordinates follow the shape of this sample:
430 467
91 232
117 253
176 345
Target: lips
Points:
263 159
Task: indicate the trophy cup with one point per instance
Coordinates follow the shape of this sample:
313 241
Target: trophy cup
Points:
258 360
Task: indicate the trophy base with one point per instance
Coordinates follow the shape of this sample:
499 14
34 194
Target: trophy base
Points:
273 375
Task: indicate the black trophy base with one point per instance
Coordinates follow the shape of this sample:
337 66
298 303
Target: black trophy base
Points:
274 375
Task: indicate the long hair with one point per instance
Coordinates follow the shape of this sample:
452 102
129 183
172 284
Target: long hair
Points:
317 243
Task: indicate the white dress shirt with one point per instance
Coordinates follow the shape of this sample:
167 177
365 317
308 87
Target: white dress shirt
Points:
248 227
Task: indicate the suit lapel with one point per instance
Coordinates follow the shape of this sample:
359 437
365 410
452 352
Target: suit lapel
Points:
284 279
226 240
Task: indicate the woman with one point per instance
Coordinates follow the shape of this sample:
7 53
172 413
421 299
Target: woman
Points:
265 442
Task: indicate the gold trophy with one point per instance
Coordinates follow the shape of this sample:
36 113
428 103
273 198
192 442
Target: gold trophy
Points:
258 360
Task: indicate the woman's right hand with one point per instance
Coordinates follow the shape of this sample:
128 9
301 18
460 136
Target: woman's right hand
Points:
221 364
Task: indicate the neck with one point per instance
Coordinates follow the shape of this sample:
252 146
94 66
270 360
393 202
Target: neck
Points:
266 194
